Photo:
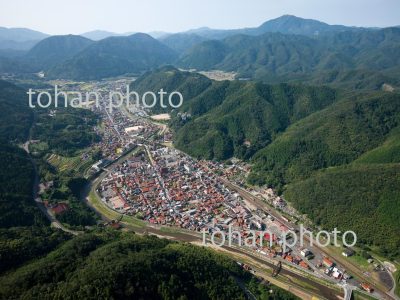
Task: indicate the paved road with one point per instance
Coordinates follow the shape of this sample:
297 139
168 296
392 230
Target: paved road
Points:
35 189
347 292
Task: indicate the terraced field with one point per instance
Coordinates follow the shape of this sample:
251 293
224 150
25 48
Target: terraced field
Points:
64 163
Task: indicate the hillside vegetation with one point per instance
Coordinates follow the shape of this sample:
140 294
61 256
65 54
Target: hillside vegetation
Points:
56 49
16 173
335 136
125 266
361 198
115 56
361 136
232 118
24 231
357 59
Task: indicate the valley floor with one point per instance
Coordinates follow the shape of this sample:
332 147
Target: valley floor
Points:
143 185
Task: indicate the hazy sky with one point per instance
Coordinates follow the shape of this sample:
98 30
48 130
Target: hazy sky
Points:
73 16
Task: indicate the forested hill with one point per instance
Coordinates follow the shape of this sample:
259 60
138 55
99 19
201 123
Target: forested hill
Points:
56 49
16 116
371 56
16 173
222 119
24 230
124 266
115 56
340 166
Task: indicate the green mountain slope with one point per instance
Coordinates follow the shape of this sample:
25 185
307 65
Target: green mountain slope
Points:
232 118
248 117
125 266
340 167
335 136
181 42
361 198
387 152
17 207
55 50
24 231
277 57
170 79
115 56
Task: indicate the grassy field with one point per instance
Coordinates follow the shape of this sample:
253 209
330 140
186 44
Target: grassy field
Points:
101 208
361 296
132 221
397 279
107 212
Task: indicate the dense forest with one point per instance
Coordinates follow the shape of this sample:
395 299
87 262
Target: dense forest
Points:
16 172
125 266
16 117
64 131
335 136
17 207
24 231
225 118
361 198
356 59
362 135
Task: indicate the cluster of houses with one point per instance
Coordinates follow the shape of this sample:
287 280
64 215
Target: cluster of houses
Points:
164 186
131 186
332 270
54 208
120 133
237 172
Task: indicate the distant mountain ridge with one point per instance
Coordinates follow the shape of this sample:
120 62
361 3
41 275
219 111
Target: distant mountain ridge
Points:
277 57
294 25
24 38
286 24
21 34
115 56
56 49
97 35
287 48
181 42
19 38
